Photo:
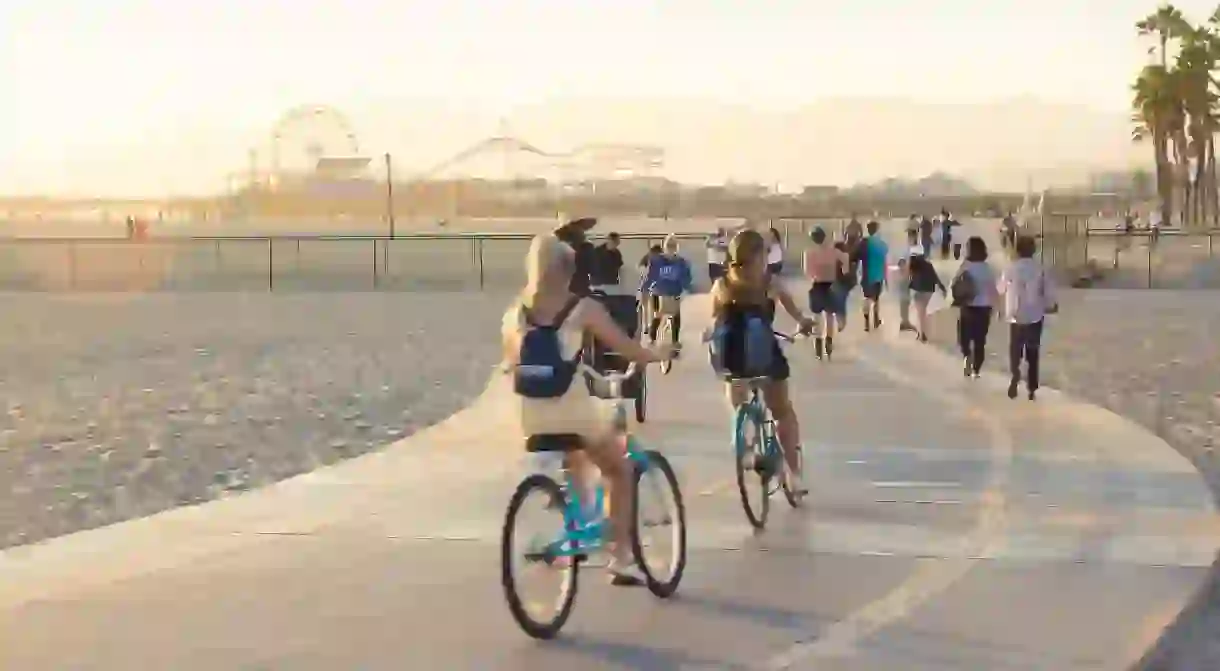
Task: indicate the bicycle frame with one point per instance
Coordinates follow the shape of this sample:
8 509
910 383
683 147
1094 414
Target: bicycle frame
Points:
755 407
583 532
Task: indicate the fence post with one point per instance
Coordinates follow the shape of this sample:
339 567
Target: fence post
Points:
72 265
1150 260
478 245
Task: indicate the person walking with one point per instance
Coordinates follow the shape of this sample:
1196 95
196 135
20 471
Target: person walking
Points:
873 276
924 282
607 262
717 254
975 294
775 253
1029 295
576 234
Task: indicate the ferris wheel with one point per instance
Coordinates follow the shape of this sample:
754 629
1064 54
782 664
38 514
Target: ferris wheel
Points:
308 133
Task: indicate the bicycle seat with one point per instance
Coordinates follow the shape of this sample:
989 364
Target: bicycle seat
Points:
554 442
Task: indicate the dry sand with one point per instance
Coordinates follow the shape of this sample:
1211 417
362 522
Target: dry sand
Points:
120 405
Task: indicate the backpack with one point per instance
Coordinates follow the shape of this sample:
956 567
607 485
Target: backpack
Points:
541 370
964 288
742 348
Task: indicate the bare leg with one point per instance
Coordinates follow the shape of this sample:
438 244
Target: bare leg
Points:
610 459
787 426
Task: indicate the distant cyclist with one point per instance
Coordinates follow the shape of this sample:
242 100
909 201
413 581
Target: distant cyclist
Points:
746 291
545 328
669 276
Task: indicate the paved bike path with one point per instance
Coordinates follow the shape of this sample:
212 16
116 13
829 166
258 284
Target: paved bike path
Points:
948 528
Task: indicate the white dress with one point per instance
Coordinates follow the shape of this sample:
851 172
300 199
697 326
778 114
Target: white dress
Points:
577 411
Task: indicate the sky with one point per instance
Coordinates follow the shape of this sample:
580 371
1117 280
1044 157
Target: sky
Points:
151 97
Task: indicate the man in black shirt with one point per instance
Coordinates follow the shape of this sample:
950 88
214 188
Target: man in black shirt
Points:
575 233
607 262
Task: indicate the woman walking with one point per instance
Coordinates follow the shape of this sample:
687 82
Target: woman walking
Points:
775 253
975 294
1029 295
924 282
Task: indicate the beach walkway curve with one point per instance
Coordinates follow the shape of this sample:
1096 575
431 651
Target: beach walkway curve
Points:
947 528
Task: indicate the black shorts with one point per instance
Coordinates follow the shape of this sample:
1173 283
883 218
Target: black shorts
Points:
872 290
776 268
715 271
779 370
821 298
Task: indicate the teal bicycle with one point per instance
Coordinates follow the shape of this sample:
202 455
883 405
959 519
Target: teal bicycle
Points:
760 458
577 526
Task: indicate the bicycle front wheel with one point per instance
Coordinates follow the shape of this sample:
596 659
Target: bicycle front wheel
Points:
751 457
659 541
542 614
666 336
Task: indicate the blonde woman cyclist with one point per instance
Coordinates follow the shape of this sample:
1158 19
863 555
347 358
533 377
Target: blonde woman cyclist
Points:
548 317
747 290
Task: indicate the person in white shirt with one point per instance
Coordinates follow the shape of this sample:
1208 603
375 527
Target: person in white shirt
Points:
775 253
1029 295
717 254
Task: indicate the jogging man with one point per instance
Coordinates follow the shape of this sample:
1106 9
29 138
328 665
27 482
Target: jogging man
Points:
873 276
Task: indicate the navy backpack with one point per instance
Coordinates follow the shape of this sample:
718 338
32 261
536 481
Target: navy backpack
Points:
541 370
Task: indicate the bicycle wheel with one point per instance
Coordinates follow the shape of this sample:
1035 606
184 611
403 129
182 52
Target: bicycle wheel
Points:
542 617
751 464
659 541
666 336
794 499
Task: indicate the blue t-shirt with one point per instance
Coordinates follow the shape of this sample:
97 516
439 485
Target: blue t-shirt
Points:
875 253
668 276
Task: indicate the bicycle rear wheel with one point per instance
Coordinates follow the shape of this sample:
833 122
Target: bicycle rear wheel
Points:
659 506
795 499
751 457
544 616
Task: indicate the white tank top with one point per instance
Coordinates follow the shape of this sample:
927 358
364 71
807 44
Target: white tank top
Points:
775 254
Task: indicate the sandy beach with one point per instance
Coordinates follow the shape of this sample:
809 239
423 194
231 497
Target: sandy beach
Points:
120 405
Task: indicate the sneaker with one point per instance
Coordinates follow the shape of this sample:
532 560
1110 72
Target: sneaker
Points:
906 326
1031 394
977 375
877 323
967 368
1012 388
625 573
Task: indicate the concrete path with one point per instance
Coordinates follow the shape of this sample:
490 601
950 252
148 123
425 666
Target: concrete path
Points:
948 528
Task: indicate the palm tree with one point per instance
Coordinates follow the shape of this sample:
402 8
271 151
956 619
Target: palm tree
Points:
1158 118
1194 65
1156 107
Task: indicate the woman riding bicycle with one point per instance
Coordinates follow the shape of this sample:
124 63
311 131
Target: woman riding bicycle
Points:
669 276
747 290
546 303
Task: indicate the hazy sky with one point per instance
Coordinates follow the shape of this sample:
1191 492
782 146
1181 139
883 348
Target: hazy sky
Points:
97 93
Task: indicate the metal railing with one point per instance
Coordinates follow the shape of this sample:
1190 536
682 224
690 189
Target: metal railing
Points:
1078 247
302 263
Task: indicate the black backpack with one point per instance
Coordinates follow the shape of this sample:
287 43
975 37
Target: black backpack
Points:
541 370
964 288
